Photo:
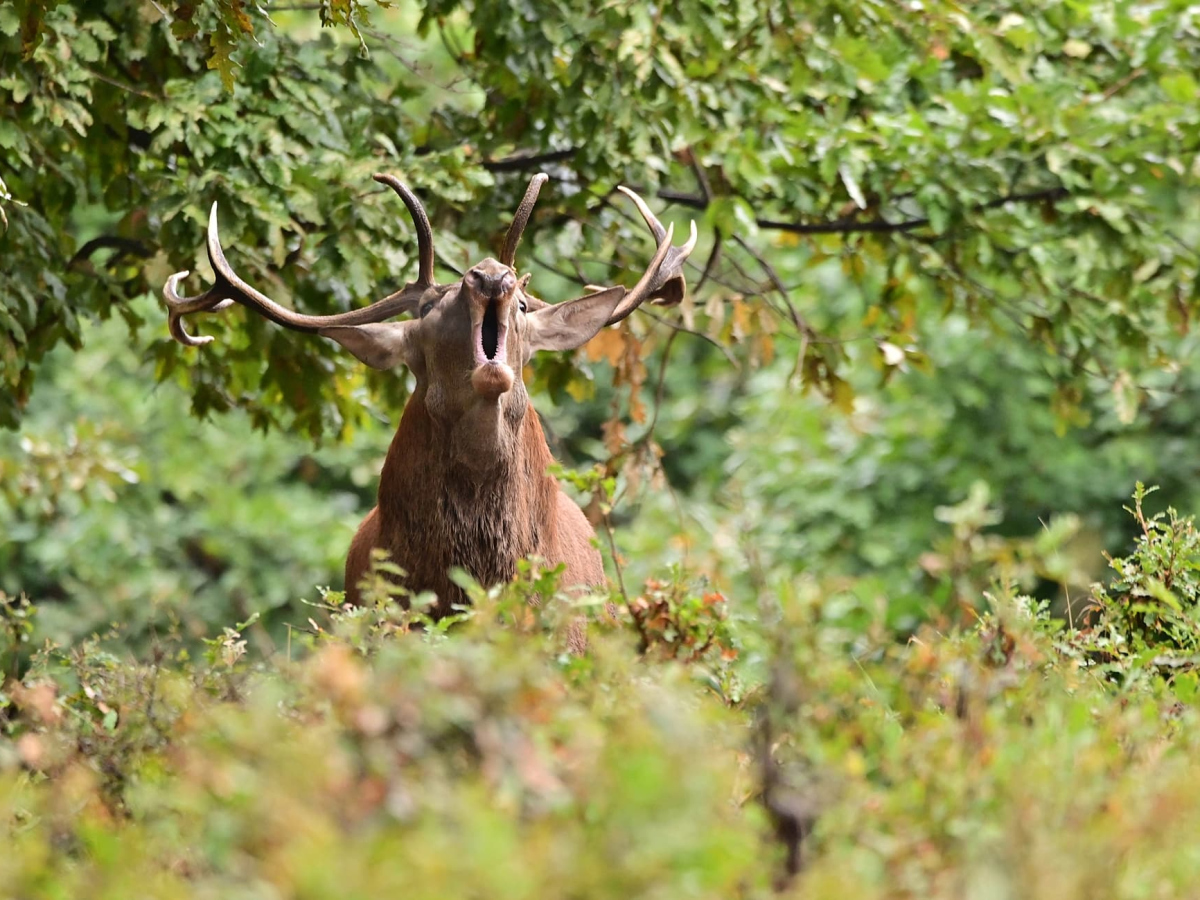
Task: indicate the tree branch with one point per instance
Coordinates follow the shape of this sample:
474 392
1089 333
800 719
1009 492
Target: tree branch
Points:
123 246
867 226
523 161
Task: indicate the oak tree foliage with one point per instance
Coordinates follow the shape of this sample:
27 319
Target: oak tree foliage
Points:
859 170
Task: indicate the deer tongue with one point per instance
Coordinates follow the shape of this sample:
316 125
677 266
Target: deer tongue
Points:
492 379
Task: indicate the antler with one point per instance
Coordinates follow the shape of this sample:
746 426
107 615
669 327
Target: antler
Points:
521 218
663 279
229 288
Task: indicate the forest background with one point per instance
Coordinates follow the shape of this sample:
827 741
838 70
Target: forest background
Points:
862 496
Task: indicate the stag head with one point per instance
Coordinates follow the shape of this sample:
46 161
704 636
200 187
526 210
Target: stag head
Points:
466 340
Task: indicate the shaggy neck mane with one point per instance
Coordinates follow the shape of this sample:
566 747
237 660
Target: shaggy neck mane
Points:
436 513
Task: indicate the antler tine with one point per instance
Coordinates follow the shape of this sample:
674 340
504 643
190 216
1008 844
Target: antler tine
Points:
179 306
663 279
652 220
228 288
420 220
521 218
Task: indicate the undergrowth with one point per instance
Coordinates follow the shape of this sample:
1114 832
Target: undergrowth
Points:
672 743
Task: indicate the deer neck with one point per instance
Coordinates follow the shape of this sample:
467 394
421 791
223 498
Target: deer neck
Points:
470 491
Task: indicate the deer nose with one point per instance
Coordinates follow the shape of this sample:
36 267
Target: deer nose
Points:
492 282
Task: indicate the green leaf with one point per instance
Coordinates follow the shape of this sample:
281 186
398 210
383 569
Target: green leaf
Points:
10 22
1179 87
223 46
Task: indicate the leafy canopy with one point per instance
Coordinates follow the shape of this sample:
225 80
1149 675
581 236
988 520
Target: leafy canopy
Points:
858 167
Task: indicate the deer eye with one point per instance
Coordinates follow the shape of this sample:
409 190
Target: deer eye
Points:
521 305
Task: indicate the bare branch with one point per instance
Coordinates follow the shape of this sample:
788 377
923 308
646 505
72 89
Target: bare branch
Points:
522 161
852 225
124 246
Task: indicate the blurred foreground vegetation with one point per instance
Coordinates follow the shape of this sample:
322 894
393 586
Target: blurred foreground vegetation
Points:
888 616
684 754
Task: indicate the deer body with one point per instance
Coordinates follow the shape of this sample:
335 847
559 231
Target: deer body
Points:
465 482
434 513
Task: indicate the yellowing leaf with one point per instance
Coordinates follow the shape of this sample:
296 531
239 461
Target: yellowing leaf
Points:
580 389
637 409
741 318
607 345
842 394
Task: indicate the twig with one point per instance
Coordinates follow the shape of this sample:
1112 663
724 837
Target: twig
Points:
732 360
643 637
660 387
802 326
128 88
713 256
1114 89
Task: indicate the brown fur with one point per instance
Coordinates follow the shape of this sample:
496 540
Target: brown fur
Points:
435 513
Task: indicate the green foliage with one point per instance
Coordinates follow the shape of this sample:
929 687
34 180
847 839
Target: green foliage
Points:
772 483
369 757
982 763
1145 619
863 167
116 505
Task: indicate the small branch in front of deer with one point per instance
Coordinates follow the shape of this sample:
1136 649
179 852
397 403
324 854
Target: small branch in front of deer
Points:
643 637
612 546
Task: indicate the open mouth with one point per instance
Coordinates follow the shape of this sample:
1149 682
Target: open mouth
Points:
489 336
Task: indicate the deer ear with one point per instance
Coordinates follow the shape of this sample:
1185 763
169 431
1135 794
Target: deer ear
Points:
381 345
565 326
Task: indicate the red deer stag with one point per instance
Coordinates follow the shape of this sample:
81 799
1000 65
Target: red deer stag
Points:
465 482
